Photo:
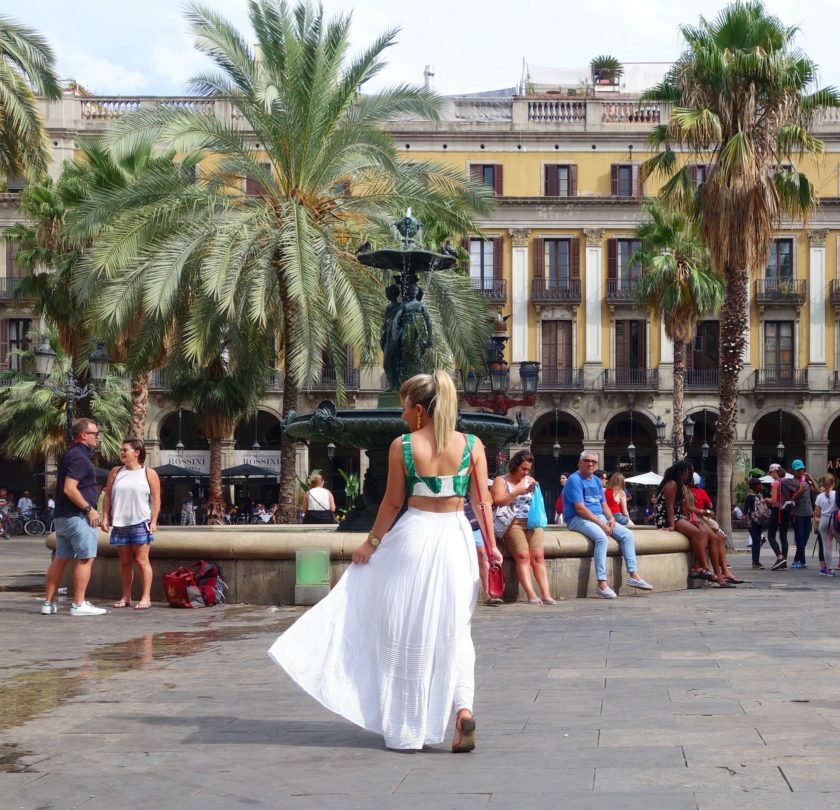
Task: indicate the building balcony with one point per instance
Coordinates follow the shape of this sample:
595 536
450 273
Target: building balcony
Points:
631 379
621 291
328 379
701 379
836 380
8 284
491 289
775 291
834 292
555 291
561 379
781 379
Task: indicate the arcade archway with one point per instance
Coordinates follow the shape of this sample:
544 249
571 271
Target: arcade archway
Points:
566 431
773 430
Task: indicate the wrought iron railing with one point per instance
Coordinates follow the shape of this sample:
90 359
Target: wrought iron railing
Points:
834 292
631 379
553 379
780 291
492 289
547 290
781 378
621 290
8 284
702 379
328 379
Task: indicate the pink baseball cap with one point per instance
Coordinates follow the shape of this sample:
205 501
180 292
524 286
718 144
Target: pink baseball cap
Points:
775 467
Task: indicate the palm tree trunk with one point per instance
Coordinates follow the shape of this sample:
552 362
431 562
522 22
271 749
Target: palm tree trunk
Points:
679 397
139 404
214 509
733 326
287 506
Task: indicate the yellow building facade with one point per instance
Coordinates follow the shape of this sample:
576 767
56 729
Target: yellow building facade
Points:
553 257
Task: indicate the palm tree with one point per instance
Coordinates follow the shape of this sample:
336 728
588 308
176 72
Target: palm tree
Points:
59 230
677 282
27 68
743 102
271 225
33 418
221 390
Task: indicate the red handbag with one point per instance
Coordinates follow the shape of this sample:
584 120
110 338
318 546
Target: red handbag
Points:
495 573
182 590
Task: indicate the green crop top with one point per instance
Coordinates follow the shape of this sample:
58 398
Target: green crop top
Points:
431 486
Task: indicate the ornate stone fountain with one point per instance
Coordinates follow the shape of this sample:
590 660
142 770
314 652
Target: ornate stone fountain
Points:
407 334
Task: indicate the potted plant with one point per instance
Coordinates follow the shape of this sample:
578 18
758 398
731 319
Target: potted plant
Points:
605 70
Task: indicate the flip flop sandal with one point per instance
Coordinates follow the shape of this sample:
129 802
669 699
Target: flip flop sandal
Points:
142 605
725 584
735 580
122 603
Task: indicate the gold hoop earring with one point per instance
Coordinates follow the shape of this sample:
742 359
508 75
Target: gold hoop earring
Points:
418 421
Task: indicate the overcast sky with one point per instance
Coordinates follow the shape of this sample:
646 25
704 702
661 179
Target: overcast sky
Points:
143 47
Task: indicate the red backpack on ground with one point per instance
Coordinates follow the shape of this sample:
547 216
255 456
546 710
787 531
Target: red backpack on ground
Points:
200 585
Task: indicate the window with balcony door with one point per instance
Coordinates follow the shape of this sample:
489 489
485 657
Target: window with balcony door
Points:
624 180
630 345
621 274
19 340
488 173
560 180
698 172
556 358
780 261
485 262
778 350
704 351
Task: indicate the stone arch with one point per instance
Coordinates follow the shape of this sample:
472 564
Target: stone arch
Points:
267 430
617 431
766 433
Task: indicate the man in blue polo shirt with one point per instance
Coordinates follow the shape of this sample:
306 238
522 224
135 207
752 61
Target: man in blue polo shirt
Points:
76 520
585 510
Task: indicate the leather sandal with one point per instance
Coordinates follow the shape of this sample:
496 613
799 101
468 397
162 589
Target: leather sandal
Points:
465 739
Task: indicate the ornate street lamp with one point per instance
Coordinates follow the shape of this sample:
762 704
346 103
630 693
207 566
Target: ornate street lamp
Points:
179 448
45 360
498 371
780 447
631 448
555 450
674 442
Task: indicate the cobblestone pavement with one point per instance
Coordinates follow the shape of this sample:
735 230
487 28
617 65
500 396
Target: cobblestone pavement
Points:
698 699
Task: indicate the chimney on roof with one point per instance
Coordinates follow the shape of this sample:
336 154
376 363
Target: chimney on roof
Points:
428 77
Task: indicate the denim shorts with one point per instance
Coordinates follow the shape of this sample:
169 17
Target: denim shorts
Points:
75 537
136 535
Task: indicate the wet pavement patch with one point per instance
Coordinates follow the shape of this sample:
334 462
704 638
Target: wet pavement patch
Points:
33 692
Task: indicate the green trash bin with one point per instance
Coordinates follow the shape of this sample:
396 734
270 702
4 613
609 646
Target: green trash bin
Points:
312 575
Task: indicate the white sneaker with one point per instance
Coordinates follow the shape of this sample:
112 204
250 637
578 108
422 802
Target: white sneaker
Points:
49 607
86 609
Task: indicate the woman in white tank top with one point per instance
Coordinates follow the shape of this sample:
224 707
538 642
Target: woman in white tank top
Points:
130 512
318 502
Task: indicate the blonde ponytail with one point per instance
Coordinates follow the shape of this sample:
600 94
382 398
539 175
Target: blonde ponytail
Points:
437 394
445 410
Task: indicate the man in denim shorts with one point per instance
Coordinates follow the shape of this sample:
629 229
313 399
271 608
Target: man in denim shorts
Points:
76 520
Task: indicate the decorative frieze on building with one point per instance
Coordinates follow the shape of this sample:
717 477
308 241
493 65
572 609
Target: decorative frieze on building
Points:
594 236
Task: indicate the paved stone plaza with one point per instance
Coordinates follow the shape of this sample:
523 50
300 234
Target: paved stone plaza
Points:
697 699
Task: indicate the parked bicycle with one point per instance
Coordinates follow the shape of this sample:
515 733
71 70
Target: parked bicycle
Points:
28 522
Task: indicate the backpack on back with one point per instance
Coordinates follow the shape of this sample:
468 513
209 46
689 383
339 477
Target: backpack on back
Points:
761 512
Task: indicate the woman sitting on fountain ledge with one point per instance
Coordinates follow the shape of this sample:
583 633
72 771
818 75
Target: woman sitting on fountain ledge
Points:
390 648
318 503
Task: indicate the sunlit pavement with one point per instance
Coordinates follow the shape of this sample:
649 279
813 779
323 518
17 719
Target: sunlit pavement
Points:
705 698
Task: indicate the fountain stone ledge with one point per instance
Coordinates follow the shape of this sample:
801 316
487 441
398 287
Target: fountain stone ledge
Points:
259 561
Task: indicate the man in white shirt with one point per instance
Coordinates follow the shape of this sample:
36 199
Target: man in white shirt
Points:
25 504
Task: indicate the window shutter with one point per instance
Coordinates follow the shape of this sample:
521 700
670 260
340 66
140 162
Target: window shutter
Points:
564 344
476 172
539 258
692 173
622 359
614 179
12 248
574 258
549 344
636 190
497 258
551 186
641 345
464 266
4 343
573 180
612 259
497 180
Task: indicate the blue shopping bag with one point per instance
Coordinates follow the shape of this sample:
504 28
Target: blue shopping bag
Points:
537 518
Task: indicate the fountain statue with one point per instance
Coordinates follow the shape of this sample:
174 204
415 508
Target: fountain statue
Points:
407 334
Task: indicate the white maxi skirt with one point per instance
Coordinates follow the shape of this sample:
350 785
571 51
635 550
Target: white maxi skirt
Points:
390 648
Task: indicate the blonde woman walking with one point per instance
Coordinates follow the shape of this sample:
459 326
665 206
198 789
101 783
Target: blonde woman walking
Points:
390 648
824 510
